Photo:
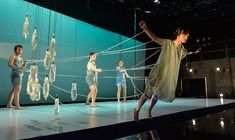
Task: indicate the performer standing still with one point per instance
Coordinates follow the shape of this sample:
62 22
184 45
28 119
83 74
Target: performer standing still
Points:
17 64
91 79
121 80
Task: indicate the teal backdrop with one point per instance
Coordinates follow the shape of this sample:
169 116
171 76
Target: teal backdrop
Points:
75 38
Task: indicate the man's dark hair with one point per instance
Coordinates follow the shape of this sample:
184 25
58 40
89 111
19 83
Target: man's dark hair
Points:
180 30
91 53
18 46
119 61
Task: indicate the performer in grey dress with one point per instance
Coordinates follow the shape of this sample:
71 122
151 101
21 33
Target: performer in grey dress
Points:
17 64
91 78
162 80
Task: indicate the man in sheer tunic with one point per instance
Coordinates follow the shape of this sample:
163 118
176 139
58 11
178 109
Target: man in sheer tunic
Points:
163 77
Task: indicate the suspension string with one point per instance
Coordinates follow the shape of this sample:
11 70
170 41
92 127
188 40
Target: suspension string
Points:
82 57
112 53
49 29
86 96
71 59
134 86
120 50
130 69
55 23
103 53
120 43
146 58
66 91
117 51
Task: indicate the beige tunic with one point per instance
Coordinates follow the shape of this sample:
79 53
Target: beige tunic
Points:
163 76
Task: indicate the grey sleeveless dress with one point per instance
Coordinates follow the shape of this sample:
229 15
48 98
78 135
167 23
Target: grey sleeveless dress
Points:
91 76
163 76
17 74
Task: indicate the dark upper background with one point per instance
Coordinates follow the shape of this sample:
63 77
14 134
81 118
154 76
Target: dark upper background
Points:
208 21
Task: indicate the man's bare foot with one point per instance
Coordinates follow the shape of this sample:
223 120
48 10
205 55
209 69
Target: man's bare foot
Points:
87 103
150 114
19 108
93 105
136 115
10 106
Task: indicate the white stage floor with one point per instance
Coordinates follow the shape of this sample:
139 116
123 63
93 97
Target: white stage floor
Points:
35 121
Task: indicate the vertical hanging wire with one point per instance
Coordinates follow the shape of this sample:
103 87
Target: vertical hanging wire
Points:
49 28
55 22
60 36
32 56
40 27
54 31
55 16
135 53
37 25
120 47
76 36
27 8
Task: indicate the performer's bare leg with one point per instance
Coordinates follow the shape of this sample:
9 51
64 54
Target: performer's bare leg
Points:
118 93
153 101
142 100
124 92
88 98
93 95
10 99
17 91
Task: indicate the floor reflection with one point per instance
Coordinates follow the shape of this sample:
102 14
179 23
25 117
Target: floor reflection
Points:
92 118
13 133
54 125
148 135
218 126
151 135
36 121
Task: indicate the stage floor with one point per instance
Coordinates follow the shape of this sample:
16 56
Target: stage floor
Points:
36 121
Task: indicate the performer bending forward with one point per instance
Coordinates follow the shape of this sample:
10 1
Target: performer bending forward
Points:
162 80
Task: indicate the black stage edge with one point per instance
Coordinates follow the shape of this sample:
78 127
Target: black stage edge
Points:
130 128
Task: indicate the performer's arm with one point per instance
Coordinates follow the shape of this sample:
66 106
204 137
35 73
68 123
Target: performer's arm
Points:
127 75
197 51
24 64
11 63
93 68
150 34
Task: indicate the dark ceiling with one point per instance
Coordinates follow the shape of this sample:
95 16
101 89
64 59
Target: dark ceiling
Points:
209 20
